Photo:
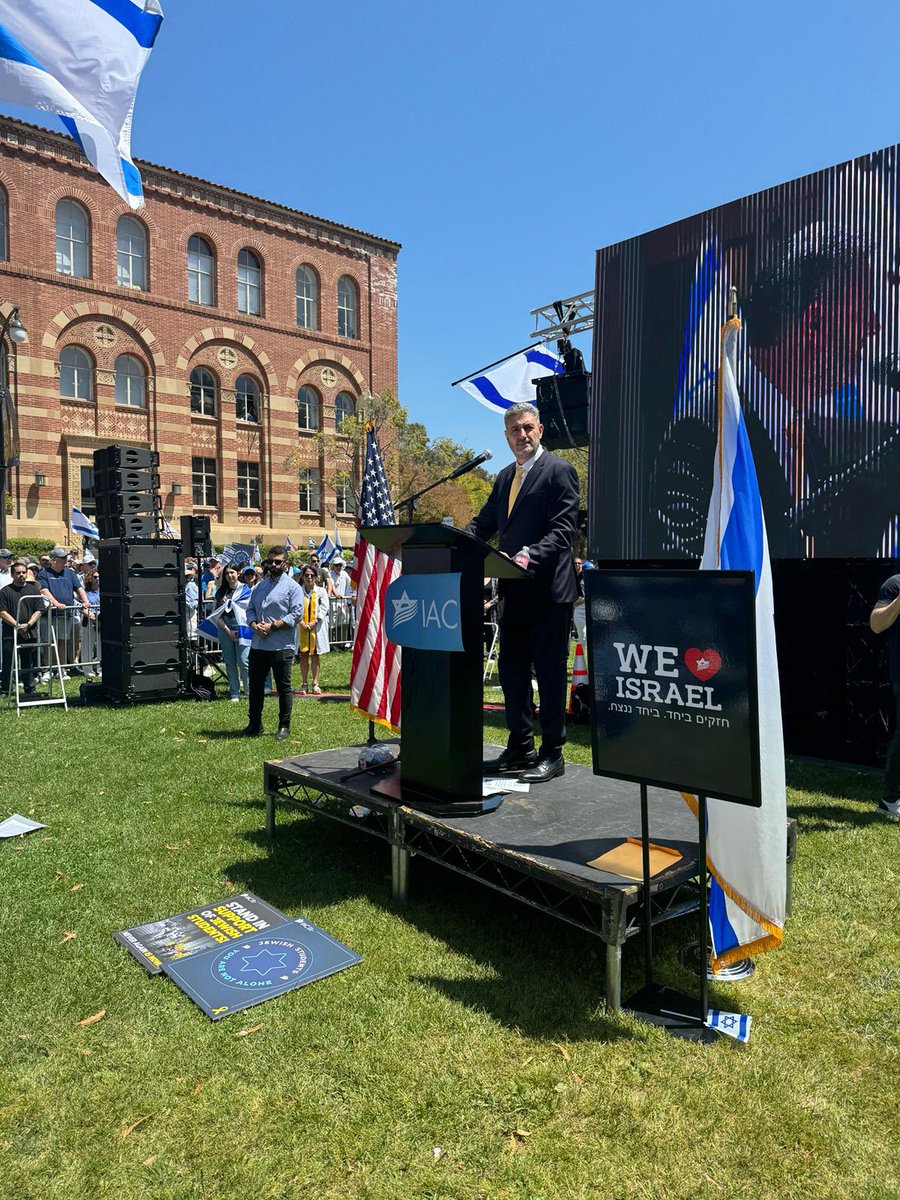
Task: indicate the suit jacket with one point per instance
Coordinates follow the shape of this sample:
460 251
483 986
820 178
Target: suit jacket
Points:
543 518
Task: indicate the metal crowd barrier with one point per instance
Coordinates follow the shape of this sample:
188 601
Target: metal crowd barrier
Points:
341 621
77 641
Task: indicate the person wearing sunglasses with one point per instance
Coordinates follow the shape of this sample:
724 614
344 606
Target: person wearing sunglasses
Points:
273 610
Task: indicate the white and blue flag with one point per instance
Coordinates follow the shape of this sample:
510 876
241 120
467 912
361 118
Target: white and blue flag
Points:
326 550
734 1025
82 525
746 847
83 60
236 605
510 382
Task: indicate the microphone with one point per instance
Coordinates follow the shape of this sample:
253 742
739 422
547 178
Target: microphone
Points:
471 464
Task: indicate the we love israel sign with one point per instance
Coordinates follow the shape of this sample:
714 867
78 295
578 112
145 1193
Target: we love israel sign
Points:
672 661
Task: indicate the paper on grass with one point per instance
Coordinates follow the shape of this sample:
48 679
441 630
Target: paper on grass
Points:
627 859
17 824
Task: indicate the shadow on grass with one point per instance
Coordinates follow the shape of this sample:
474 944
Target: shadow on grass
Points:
834 817
546 978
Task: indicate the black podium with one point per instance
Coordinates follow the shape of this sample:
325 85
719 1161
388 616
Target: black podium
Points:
441 703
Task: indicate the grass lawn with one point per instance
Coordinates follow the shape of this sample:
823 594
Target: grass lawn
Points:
474 1025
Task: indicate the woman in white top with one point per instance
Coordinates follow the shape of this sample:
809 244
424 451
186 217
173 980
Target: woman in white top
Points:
313 628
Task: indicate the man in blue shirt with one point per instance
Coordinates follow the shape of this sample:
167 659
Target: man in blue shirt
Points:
885 618
61 586
273 610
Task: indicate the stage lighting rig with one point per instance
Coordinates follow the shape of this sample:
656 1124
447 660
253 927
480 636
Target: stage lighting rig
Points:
564 400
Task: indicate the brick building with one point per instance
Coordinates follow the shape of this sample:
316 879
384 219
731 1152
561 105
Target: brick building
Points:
221 329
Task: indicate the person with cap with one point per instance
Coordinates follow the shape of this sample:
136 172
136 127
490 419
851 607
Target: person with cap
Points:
209 581
21 607
340 580
6 557
60 585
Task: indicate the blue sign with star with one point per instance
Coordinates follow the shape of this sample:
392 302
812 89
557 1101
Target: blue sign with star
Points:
422 611
246 972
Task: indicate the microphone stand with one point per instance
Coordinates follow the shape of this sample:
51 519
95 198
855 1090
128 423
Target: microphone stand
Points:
410 502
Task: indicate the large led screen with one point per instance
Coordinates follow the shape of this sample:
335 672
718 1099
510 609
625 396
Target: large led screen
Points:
816 265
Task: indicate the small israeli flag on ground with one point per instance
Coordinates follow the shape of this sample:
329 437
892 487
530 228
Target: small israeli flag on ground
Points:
82 526
735 1025
83 60
511 381
326 550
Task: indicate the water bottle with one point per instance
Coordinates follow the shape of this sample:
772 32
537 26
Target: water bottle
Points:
523 558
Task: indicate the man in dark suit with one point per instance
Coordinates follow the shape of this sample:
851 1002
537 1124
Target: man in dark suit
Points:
533 505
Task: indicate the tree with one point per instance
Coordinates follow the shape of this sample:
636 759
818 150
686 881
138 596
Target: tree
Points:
412 460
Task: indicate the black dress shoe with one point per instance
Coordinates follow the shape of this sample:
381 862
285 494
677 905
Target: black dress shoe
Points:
251 732
547 768
283 734
511 760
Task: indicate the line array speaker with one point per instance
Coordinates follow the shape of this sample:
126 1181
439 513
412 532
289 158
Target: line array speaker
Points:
141 615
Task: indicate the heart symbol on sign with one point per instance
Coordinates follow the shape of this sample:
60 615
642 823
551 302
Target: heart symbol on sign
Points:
702 663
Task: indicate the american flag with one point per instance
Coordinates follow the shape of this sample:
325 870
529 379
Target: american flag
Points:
375 674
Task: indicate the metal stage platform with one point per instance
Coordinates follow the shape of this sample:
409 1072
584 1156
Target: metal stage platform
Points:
534 847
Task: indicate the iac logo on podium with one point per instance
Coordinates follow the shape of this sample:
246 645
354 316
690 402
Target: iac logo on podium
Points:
422 612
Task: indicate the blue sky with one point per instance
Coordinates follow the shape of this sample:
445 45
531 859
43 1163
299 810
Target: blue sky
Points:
503 142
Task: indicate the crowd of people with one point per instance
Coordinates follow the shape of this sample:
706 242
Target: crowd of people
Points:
65 585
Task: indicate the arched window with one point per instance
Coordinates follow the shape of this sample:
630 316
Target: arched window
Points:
249 283
344 406
203 392
307 298
76 374
348 308
131 253
246 399
131 381
73 240
201 271
307 408
4 224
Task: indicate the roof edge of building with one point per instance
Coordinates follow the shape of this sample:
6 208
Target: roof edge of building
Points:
68 146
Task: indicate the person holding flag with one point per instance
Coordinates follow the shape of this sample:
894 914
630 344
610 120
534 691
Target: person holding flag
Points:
229 618
746 847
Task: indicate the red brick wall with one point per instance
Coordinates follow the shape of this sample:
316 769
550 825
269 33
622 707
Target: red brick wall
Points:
171 336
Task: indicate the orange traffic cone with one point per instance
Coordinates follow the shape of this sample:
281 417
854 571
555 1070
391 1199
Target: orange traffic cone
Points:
579 674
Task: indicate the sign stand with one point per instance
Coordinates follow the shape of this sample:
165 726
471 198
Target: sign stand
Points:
676 1013
673 682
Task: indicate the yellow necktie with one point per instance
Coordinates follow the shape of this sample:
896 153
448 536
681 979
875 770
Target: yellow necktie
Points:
514 488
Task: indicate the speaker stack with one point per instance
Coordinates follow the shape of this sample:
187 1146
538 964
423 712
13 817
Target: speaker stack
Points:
141 583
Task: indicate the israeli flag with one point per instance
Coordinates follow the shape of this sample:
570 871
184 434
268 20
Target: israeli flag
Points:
83 60
746 847
236 605
82 526
326 550
169 531
735 1025
257 557
510 382
338 548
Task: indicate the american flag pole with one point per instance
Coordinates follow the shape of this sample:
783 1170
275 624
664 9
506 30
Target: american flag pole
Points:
375 670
